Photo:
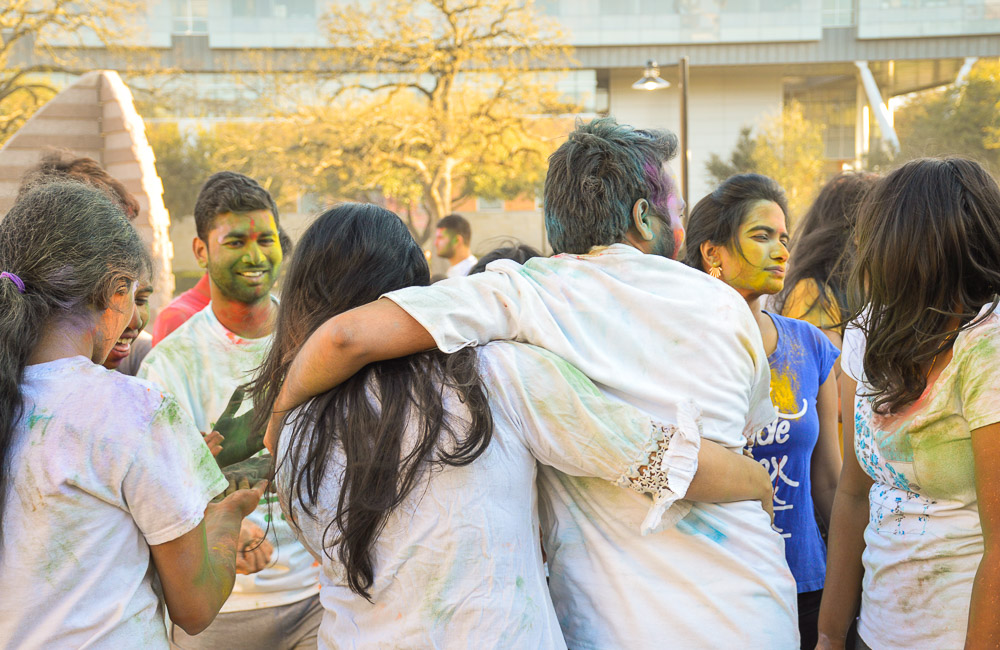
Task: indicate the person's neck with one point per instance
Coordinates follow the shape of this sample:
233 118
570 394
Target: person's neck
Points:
246 320
459 256
62 340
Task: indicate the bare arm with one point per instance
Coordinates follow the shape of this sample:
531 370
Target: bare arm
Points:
984 624
198 569
724 476
844 569
826 461
341 347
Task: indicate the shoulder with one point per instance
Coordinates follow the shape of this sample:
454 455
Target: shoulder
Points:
182 338
809 301
133 401
981 340
807 337
508 362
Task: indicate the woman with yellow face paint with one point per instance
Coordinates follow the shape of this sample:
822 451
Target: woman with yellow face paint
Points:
739 234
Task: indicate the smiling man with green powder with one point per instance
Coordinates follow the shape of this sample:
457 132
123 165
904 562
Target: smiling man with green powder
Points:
203 363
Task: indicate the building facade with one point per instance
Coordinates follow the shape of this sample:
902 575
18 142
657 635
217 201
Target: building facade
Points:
843 60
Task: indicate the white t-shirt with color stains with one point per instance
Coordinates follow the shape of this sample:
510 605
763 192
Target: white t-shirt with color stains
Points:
458 564
653 333
102 467
924 540
202 363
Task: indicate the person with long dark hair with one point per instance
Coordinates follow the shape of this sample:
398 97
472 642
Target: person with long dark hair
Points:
414 481
105 482
917 511
822 251
739 234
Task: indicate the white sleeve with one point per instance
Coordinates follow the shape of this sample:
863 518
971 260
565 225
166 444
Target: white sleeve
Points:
567 423
468 311
852 353
172 476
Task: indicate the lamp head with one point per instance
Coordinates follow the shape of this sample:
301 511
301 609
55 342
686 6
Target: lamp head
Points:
651 79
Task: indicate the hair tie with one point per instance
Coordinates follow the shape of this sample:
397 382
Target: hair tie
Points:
18 282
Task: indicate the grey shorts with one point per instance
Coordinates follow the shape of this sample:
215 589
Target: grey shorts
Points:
286 627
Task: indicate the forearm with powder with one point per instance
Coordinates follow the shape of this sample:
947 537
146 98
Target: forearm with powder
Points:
198 569
345 344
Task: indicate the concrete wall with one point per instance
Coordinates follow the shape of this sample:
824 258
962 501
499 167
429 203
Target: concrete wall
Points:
95 117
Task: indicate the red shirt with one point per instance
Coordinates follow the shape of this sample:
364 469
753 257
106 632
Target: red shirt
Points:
181 308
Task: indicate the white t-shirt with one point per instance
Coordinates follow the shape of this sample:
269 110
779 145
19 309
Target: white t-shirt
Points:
924 540
458 564
653 333
202 364
102 466
462 268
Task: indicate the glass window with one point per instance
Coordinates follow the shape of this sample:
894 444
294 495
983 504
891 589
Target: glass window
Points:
244 8
838 13
190 16
656 7
618 7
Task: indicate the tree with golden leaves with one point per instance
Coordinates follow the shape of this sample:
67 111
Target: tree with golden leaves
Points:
38 37
439 100
789 149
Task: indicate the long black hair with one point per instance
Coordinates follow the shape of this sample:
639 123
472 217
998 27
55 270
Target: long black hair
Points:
73 249
928 253
823 243
348 257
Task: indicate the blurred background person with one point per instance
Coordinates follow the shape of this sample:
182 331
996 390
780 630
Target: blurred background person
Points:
451 242
516 251
822 252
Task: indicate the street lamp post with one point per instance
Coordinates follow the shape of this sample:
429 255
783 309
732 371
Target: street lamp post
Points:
651 80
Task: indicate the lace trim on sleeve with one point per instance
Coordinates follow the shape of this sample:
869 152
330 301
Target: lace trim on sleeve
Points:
667 467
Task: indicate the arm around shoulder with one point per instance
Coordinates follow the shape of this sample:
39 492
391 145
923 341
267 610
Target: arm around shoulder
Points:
341 347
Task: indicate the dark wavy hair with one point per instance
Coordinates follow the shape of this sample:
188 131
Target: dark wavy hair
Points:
230 192
928 253
73 249
717 217
509 250
64 165
349 256
595 178
822 247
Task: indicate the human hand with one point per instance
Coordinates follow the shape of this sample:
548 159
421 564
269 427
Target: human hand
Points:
241 443
765 490
246 473
241 497
214 441
253 550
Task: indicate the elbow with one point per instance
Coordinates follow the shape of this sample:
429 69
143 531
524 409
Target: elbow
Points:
337 336
195 622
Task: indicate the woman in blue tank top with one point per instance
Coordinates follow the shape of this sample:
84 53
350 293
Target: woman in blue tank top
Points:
739 234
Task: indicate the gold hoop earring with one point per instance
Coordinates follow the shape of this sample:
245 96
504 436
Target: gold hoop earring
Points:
715 272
